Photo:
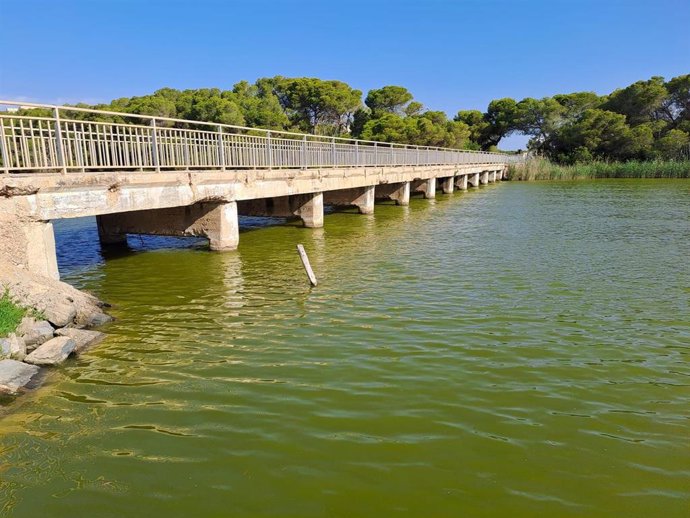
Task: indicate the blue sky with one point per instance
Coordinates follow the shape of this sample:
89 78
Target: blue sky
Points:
450 54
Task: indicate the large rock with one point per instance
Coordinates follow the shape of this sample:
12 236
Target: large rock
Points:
12 347
60 303
52 352
83 338
35 332
14 375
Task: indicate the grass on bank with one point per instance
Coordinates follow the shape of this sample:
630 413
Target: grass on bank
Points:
10 314
542 169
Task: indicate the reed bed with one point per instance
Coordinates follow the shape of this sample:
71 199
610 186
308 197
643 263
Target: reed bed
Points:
542 169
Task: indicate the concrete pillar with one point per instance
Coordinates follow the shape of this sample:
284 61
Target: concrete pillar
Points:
401 196
310 209
365 203
40 249
216 221
361 197
492 176
398 192
461 182
447 185
107 234
221 226
473 179
484 177
427 187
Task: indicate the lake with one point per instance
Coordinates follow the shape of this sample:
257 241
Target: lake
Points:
518 350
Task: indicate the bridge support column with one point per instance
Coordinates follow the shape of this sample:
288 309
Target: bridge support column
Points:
365 203
39 249
492 176
427 187
361 197
484 178
447 185
461 182
398 192
216 221
473 179
310 209
220 225
107 235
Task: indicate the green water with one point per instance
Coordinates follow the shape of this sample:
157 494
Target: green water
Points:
518 350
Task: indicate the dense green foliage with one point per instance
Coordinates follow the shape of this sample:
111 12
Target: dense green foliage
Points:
648 120
544 169
10 314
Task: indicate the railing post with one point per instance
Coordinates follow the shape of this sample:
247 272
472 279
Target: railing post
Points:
376 154
154 146
356 153
221 149
3 149
269 149
417 154
333 146
304 152
59 150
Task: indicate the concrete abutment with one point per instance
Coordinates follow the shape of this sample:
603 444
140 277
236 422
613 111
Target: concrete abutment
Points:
39 250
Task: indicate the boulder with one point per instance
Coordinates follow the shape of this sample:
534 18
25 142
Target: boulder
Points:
52 352
35 333
61 303
13 347
83 338
97 318
14 375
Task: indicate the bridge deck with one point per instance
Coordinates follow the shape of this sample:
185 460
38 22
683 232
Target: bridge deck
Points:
172 177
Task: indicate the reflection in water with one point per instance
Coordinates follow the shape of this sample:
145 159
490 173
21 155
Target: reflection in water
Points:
520 349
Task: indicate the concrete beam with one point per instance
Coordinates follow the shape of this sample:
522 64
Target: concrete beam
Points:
361 197
447 184
215 221
461 182
47 197
473 179
484 178
398 192
426 187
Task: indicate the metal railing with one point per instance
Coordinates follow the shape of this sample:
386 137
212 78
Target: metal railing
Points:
58 143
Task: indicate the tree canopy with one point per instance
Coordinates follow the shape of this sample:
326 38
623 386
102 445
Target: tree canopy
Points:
647 119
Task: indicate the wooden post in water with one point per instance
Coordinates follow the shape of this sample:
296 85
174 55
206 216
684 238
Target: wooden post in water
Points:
307 266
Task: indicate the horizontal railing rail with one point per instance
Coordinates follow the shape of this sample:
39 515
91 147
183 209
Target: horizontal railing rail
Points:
139 142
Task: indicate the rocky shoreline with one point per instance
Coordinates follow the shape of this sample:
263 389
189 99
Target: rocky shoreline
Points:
58 329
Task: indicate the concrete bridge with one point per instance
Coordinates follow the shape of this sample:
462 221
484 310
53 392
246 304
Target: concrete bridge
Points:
156 175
